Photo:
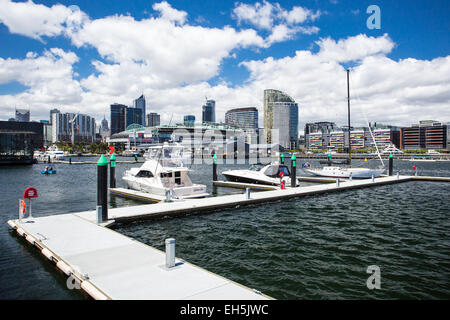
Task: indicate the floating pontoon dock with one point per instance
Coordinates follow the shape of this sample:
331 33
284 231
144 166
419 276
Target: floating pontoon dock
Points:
109 265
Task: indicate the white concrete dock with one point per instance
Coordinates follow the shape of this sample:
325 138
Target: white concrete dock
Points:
195 206
109 265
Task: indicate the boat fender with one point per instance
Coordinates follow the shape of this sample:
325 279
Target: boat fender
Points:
12 224
30 239
64 267
47 253
93 291
20 231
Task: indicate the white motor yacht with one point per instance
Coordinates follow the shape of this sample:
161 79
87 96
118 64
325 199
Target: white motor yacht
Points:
163 171
260 174
340 172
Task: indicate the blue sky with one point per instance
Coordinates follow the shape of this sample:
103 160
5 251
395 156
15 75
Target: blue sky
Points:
229 51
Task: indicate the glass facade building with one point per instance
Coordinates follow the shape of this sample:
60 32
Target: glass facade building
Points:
243 118
288 109
117 118
209 111
22 115
153 119
133 116
189 120
139 103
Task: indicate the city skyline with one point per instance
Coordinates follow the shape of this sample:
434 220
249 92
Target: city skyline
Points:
230 52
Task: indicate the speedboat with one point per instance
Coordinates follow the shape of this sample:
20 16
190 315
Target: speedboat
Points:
269 174
340 172
164 171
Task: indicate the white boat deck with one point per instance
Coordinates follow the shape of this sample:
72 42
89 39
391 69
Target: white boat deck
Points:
112 266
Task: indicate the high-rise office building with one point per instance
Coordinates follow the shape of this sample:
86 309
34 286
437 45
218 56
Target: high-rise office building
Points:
189 120
153 119
242 118
289 109
133 116
139 103
52 112
22 115
118 123
209 111
83 127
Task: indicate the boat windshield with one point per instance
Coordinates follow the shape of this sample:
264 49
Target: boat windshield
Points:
168 156
256 167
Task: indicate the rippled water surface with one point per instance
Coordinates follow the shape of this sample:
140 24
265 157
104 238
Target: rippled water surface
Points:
315 247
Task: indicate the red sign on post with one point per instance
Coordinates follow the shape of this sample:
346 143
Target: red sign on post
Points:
30 193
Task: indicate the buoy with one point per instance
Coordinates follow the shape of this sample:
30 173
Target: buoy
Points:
365 159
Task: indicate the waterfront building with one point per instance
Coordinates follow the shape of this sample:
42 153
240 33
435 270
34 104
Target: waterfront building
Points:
278 101
357 139
140 103
337 140
317 140
46 132
117 118
427 134
18 139
84 127
153 119
244 118
22 115
209 111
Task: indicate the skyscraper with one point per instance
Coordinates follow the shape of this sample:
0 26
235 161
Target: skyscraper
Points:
133 116
209 111
153 119
189 120
117 118
139 103
281 112
22 115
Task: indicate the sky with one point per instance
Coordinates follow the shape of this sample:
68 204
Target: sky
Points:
82 56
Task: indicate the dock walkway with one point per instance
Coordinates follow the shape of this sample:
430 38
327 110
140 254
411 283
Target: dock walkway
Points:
109 265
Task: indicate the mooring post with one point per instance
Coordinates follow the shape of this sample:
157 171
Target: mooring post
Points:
373 178
282 158
48 161
99 214
70 160
112 171
170 253
102 186
337 182
391 164
214 167
350 177
247 192
293 171
168 195
398 175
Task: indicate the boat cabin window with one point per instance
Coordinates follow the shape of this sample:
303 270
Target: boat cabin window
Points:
274 171
256 167
166 175
145 174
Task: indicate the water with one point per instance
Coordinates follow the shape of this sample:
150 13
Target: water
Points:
316 247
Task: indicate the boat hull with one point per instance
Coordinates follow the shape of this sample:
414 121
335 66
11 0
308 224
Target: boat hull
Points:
357 173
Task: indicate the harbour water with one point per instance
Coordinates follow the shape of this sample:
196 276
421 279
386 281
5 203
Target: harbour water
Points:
316 247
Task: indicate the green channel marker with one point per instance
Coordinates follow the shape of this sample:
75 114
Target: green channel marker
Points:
113 160
390 156
102 161
293 159
282 158
215 158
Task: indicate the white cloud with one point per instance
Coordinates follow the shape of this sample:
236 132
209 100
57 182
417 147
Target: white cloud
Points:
169 13
283 24
36 20
170 61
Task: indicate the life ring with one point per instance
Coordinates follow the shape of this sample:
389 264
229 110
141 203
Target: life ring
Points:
23 206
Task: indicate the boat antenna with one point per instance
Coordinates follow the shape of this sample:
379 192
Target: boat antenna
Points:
348 116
